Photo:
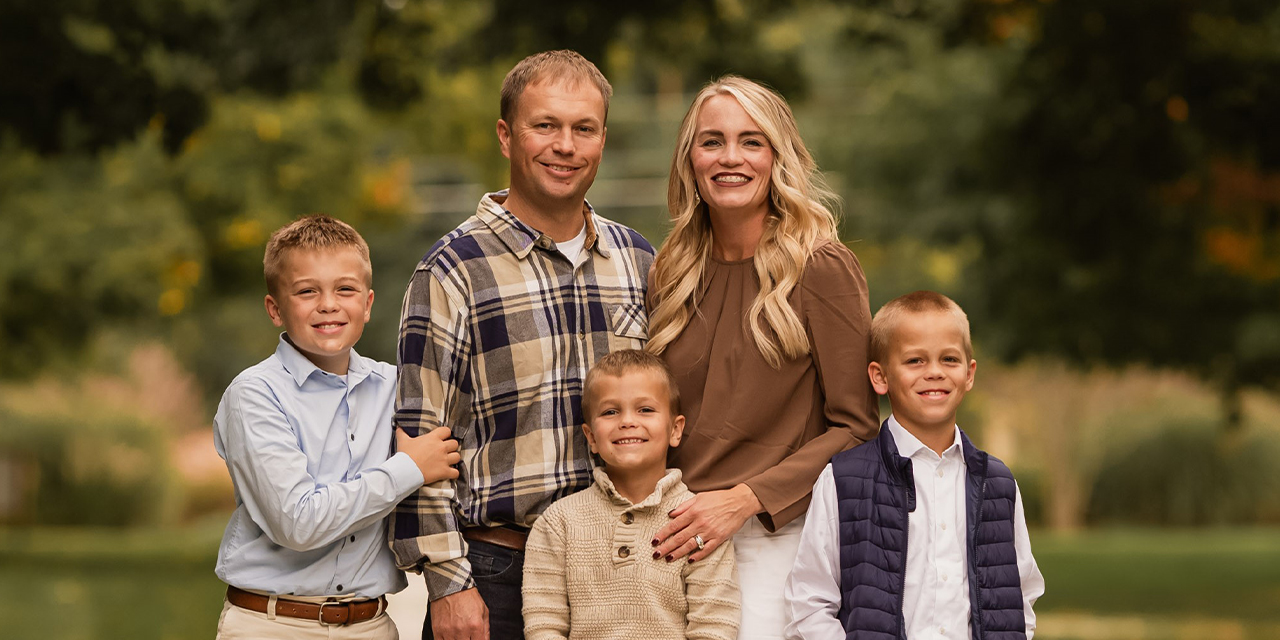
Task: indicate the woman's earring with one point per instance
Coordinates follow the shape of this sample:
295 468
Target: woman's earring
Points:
697 200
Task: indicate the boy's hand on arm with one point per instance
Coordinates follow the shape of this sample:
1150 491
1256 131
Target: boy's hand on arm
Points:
460 616
435 453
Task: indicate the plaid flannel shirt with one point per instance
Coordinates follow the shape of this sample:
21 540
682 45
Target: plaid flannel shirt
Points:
497 333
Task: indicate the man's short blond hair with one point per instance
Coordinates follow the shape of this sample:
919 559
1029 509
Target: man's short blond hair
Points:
561 65
626 361
891 314
311 233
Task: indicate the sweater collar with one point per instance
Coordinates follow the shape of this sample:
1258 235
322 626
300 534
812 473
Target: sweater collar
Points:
605 484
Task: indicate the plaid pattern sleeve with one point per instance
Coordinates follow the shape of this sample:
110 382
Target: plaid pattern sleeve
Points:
498 330
431 393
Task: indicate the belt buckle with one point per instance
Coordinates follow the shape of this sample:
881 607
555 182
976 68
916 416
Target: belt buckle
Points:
321 619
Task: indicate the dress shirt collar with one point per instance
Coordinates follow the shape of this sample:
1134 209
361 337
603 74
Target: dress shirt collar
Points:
605 484
909 445
520 238
300 368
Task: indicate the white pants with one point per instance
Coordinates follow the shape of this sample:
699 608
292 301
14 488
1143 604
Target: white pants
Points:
242 624
764 561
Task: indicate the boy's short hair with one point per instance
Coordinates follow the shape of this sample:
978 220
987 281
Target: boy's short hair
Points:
626 361
311 233
560 65
890 316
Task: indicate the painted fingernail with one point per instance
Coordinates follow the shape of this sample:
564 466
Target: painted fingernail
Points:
691 560
654 542
656 555
669 558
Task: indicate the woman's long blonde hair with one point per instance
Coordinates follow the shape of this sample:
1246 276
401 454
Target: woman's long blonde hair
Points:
799 218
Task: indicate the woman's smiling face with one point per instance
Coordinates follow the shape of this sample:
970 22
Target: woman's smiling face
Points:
732 159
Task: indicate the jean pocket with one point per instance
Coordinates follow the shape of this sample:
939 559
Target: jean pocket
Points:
493 565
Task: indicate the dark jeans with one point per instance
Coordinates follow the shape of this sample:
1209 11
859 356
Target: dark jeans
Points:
498 573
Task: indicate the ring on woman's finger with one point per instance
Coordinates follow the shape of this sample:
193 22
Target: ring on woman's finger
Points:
697 538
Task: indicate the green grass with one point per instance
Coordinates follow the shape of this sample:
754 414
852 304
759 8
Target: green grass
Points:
105 584
76 584
1219 573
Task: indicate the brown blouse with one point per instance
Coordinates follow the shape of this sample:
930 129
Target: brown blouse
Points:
774 429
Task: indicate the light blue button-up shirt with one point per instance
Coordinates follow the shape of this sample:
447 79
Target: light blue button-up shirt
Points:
308 455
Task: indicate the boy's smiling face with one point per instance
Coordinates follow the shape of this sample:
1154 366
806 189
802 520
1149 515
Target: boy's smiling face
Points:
630 425
925 371
323 301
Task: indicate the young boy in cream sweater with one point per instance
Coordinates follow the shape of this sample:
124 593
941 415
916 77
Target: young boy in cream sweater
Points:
589 572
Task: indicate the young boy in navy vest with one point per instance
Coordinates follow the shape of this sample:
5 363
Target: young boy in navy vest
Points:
916 533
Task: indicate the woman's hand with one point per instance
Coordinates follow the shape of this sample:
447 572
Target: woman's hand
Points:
714 515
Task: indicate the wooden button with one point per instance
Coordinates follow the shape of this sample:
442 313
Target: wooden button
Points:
627 518
624 551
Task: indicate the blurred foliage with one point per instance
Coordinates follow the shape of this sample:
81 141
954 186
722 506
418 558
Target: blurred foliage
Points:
1096 182
1135 173
140 220
1184 474
86 468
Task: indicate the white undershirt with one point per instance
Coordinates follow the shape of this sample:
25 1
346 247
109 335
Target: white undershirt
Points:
936 591
572 249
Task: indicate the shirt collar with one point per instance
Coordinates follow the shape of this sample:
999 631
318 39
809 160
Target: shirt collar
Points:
605 484
520 238
909 445
300 368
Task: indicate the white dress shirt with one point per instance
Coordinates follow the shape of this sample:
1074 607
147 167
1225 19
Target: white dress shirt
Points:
308 455
936 591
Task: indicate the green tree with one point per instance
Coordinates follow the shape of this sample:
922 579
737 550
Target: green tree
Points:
1138 168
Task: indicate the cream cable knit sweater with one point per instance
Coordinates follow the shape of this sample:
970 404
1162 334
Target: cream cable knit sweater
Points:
589 572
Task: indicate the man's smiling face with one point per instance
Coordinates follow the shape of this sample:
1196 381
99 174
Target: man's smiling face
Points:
554 141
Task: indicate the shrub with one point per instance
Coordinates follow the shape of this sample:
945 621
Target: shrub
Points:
86 469
1189 473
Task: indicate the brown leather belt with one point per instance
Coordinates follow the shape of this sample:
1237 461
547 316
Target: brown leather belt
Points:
327 613
499 536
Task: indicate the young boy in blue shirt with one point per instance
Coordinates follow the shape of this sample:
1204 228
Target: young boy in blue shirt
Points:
307 437
916 533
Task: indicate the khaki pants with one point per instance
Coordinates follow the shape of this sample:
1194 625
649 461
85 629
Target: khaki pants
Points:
243 624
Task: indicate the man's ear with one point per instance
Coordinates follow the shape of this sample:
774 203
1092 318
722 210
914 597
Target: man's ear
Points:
273 310
879 381
504 138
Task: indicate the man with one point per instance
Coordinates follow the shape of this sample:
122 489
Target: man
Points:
502 320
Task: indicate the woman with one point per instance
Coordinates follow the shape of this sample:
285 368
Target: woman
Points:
762 315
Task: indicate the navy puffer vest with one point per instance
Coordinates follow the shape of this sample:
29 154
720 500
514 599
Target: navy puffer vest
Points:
876 490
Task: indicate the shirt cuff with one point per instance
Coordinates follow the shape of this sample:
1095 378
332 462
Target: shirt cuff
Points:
779 511
406 477
447 578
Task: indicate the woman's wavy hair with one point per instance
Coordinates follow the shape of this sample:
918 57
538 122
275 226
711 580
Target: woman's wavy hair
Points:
800 216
